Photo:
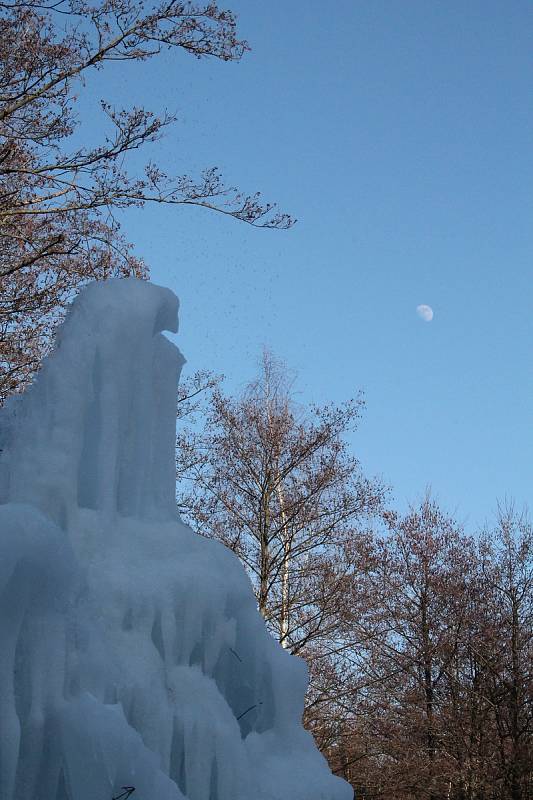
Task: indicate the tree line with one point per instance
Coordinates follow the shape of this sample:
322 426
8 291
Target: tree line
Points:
418 635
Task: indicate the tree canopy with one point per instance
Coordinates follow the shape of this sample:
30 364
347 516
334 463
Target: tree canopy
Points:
59 203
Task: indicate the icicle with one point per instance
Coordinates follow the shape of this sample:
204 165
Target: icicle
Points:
131 650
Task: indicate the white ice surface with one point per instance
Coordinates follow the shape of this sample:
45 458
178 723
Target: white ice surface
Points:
131 650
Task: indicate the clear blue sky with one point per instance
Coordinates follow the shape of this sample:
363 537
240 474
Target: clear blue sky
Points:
400 136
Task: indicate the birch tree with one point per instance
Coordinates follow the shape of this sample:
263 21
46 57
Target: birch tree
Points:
277 484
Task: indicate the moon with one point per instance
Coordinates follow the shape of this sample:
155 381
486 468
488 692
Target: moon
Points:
425 312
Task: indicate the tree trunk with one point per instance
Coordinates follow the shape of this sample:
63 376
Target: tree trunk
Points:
264 543
285 573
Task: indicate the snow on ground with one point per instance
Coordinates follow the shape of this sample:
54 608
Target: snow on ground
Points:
131 649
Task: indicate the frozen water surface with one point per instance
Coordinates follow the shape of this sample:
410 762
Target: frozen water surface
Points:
131 649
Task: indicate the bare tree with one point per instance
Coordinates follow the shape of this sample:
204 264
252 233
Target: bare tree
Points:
419 640
412 623
193 393
442 673
279 487
506 648
58 202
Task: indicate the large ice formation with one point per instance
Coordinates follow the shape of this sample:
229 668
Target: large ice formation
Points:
131 649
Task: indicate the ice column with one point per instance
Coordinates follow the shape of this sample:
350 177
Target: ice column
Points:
96 429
